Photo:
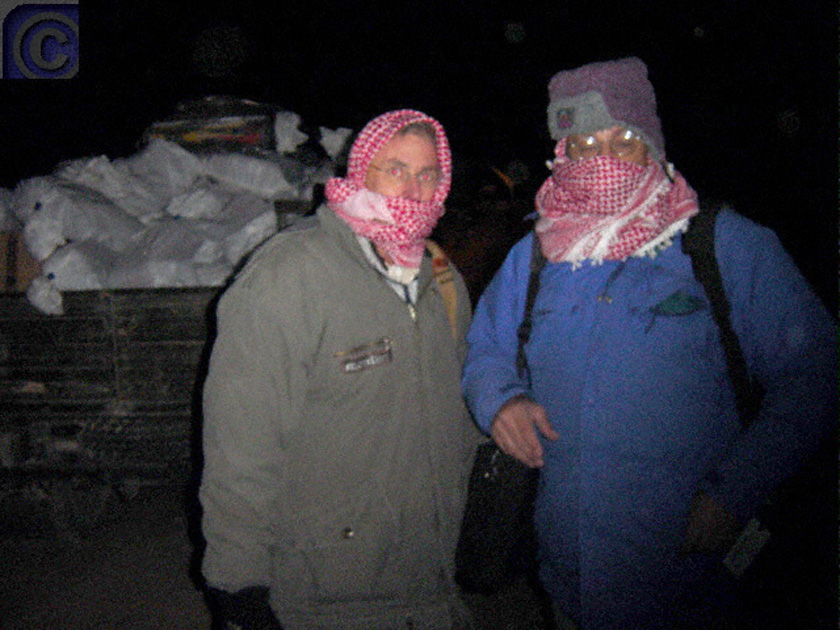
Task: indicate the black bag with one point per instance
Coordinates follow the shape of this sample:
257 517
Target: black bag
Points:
497 541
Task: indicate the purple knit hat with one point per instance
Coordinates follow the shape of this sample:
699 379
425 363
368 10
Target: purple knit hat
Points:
603 95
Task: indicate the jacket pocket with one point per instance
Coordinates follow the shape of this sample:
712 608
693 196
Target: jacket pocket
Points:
347 550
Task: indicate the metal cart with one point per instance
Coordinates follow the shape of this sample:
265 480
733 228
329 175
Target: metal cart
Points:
99 400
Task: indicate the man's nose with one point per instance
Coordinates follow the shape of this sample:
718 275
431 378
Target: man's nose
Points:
604 149
411 189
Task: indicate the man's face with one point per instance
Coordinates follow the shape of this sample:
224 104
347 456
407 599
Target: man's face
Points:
405 167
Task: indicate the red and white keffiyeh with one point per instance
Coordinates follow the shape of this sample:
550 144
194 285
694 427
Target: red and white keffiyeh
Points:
604 208
396 225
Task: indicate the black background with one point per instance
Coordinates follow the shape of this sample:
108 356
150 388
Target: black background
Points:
747 91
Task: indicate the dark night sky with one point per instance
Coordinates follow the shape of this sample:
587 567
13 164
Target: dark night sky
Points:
748 96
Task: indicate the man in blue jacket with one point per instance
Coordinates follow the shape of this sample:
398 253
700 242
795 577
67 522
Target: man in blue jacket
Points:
647 474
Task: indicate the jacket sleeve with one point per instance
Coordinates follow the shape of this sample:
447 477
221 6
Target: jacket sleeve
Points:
489 376
255 383
790 345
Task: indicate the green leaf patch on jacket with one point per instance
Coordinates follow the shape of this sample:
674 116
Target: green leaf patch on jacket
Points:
678 303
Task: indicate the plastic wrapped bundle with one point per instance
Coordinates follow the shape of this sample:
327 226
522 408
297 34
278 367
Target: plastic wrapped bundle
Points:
56 212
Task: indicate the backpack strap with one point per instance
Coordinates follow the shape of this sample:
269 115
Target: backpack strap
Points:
698 243
523 333
443 274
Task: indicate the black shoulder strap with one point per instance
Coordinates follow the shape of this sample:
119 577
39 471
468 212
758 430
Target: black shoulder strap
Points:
699 243
523 333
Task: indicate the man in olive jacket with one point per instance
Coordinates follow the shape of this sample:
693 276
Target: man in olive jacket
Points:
336 444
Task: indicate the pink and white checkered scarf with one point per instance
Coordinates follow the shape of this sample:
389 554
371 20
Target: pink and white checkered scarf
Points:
606 209
396 225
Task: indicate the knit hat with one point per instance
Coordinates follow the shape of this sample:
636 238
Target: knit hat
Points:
603 95
380 130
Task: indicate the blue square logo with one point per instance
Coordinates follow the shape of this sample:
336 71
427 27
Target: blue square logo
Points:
41 41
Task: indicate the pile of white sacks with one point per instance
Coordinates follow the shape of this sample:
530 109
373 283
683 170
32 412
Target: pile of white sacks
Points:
164 217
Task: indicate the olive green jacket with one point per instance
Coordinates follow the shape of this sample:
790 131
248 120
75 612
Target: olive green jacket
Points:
337 446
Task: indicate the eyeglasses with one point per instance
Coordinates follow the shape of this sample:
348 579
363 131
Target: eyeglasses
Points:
623 143
398 173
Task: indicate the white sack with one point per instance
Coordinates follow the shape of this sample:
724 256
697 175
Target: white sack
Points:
333 140
244 222
287 136
182 240
214 275
165 167
57 212
247 174
201 203
133 194
78 267
44 296
154 274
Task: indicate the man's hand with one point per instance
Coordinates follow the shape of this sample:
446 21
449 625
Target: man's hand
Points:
514 429
711 528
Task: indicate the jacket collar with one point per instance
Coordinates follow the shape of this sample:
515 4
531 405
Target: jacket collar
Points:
334 226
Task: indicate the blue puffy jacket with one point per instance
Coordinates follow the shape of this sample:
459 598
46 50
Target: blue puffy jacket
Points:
626 360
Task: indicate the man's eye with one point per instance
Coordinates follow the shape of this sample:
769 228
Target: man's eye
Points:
426 178
583 143
395 171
